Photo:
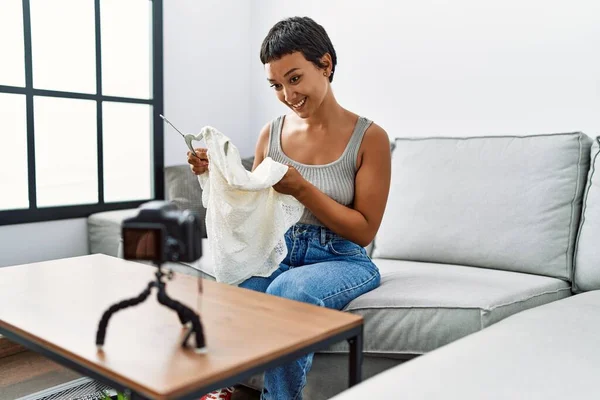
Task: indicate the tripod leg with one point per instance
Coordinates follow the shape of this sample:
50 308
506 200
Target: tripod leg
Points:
165 300
185 314
101 333
196 327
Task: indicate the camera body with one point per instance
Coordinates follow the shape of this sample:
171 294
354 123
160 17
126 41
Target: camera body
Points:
161 233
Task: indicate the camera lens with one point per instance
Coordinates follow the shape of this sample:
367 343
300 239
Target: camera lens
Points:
173 248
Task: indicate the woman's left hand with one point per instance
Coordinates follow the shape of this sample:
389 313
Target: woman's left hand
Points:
292 183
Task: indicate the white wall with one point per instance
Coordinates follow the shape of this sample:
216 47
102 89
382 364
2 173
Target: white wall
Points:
207 71
460 67
206 82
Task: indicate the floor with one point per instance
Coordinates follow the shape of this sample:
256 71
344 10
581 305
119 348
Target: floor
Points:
26 372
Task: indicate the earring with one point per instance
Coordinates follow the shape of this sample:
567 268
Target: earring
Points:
325 73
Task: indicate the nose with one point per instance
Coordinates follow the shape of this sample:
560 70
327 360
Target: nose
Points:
288 94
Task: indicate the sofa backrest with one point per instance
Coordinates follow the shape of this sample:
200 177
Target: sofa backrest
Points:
183 189
587 249
503 202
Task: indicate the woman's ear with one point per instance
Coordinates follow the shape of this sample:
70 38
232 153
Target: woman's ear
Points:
326 61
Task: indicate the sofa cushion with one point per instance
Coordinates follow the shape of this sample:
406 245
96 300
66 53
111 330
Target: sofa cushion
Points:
587 251
506 202
104 230
549 352
421 306
104 236
183 189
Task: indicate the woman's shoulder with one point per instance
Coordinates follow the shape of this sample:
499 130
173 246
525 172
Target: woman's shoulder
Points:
270 124
375 137
373 129
376 130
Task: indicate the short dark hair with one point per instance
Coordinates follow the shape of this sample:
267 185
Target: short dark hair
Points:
298 34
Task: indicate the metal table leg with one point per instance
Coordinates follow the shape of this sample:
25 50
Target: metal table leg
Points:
356 358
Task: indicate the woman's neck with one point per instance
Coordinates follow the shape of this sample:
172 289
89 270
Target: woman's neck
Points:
329 113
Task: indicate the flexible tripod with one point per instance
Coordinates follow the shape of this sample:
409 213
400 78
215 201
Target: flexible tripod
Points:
186 315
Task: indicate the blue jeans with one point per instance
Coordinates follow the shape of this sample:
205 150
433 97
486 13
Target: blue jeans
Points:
320 268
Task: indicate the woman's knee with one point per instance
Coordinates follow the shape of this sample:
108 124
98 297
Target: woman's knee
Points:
294 290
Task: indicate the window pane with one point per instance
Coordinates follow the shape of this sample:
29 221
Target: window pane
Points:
14 191
126 48
128 159
64 45
65 151
12 67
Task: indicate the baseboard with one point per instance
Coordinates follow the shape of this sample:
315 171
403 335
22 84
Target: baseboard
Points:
8 348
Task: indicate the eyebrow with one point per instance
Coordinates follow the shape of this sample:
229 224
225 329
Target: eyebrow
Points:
286 74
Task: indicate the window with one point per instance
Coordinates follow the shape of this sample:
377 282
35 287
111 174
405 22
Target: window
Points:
80 98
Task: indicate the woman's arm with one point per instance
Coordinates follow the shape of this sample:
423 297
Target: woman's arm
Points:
372 185
261 149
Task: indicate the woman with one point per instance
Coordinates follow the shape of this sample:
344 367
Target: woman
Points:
339 169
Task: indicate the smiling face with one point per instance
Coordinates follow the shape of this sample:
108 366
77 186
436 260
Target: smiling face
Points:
299 83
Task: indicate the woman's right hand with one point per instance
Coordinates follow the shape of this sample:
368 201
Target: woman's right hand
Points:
198 164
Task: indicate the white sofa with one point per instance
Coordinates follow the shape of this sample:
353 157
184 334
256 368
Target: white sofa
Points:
547 352
476 229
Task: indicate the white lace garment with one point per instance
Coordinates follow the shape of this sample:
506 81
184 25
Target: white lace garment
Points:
246 219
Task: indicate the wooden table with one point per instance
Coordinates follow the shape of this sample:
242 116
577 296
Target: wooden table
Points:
54 308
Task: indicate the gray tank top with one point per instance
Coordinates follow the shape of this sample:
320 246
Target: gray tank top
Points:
335 179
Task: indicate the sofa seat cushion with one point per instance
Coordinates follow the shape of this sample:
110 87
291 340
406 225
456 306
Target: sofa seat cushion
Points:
422 306
104 236
549 352
104 230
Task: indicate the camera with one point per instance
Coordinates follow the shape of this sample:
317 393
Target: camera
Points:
161 232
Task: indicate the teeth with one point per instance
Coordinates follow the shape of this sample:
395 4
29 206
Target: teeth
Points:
299 104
